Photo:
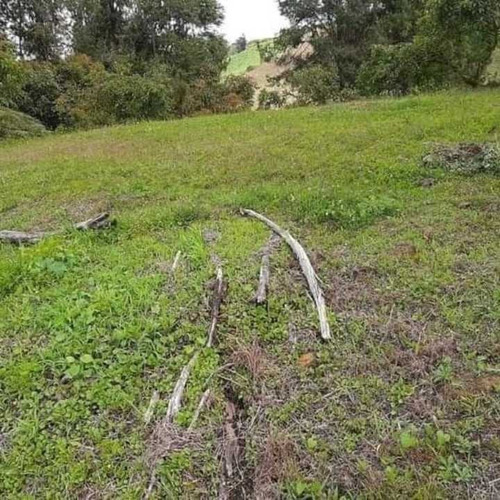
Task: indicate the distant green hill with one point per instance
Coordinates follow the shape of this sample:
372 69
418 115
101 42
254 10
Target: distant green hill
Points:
16 125
241 62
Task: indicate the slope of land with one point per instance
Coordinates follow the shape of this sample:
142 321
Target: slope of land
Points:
402 403
241 62
18 125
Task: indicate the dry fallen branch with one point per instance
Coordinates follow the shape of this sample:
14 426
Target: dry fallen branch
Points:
306 267
201 405
264 277
174 404
99 222
19 238
219 291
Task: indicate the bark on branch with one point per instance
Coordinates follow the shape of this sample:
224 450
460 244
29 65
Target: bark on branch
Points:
306 267
20 238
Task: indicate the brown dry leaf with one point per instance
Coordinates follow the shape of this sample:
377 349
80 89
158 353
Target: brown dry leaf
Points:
306 360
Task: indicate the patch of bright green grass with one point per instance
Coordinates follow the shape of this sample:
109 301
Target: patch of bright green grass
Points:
240 63
402 402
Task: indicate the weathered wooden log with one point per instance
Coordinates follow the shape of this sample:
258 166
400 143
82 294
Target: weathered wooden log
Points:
21 238
306 267
99 222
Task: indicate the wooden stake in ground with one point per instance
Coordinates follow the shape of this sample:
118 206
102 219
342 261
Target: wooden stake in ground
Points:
20 238
306 267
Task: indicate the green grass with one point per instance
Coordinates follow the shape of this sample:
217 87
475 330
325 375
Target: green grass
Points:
240 62
18 125
402 403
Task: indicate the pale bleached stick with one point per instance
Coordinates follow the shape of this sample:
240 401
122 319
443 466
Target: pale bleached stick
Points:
176 261
306 267
265 273
174 404
201 405
261 295
151 408
19 238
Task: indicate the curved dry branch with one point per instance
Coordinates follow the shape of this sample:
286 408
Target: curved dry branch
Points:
306 267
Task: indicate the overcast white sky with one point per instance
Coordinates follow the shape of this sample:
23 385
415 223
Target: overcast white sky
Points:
255 18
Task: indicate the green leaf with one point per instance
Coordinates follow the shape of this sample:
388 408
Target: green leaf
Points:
86 359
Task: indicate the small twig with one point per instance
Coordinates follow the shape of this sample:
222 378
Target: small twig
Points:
306 267
151 408
151 485
176 261
197 413
174 404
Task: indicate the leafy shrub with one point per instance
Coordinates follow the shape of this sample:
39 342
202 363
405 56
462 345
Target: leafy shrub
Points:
242 87
270 99
402 68
11 74
116 99
16 125
39 94
315 84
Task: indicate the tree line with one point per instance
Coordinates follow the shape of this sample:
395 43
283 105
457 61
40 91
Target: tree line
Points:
79 63
390 47
94 62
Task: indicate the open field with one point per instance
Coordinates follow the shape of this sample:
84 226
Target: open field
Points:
402 403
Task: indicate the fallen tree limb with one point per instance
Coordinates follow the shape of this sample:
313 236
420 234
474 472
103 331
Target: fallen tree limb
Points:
264 277
201 405
306 267
99 222
19 238
219 291
174 404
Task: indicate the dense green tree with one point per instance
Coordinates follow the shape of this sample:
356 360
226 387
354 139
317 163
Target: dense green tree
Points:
241 43
99 26
39 27
466 30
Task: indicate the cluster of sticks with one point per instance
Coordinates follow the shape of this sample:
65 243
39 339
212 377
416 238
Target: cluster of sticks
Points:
175 401
20 238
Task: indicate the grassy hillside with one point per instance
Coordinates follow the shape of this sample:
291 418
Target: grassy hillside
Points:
17 125
402 403
241 61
